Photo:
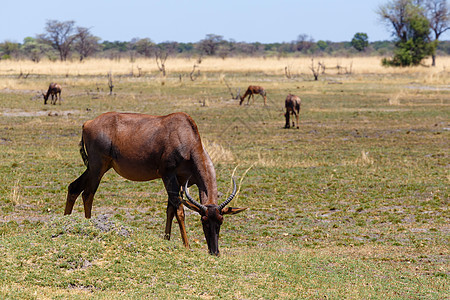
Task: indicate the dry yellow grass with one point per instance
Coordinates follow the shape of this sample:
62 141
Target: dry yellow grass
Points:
270 66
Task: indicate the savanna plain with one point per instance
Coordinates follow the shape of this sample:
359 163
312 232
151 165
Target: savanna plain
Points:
352 205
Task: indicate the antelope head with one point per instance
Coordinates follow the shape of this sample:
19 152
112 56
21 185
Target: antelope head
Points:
212 217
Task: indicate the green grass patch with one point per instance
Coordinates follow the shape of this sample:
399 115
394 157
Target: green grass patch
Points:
354 204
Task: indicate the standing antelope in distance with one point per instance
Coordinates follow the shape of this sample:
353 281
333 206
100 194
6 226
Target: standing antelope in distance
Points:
292 104
141 147
251 91
53 89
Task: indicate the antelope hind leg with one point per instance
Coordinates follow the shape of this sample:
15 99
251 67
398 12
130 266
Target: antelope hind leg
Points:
92 182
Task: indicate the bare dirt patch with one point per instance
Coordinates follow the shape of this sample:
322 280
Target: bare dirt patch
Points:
40 113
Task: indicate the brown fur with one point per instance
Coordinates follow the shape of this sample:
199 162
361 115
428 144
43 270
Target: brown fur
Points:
54 90
292 105
141 148
251 91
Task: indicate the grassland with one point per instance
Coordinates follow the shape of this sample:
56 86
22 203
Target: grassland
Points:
354 204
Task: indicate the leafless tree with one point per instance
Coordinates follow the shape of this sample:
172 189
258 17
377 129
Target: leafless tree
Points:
61 35
316 70
287 72
161 57
86 44
396 13
110 83
231 91
438 14
193 75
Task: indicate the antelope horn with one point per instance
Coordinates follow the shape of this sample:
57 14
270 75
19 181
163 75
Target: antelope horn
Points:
231 196
200 206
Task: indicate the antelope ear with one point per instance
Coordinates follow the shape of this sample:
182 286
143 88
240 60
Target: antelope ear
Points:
190 206
232 210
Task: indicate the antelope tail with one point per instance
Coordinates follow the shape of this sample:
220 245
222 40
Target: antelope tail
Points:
83 153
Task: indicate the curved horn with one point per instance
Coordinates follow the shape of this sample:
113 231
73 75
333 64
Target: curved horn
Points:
200 206
229 198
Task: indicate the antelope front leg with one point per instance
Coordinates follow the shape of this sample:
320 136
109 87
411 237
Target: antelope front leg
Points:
180 219
170 214
174 207
288 122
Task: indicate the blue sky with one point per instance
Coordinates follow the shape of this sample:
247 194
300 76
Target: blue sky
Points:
190 21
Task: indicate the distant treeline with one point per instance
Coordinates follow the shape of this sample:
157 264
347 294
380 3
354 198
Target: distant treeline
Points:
238 49
85 45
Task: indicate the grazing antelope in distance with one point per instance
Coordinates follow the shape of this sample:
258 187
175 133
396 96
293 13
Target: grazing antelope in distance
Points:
53 89
141 147
292 104
251 91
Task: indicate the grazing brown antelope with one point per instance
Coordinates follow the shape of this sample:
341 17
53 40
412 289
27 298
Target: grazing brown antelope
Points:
292 104
53 89
251 91
141 148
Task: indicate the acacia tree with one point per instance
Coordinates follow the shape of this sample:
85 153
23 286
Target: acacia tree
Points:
145 47
61 36
303 43
210 44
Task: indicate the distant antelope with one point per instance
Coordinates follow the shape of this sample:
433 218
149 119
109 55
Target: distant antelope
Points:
292 104
251 91
53 89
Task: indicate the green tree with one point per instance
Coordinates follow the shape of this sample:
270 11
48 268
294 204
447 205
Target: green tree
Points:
411 28
360 41
8 49
322 45
34 49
